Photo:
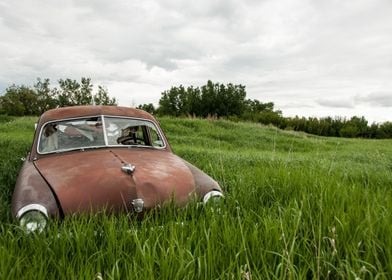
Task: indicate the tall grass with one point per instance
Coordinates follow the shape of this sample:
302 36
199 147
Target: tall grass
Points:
297 206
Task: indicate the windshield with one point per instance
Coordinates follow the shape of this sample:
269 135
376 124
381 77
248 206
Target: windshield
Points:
95 132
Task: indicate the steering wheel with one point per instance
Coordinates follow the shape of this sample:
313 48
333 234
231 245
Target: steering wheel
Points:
129 140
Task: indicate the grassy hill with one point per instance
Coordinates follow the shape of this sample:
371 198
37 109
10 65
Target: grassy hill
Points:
297 206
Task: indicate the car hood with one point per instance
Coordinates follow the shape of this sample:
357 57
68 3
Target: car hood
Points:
92 180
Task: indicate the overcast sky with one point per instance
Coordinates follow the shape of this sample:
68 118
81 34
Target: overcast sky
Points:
309 57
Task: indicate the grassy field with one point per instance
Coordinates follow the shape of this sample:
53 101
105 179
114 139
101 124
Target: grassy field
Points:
297 206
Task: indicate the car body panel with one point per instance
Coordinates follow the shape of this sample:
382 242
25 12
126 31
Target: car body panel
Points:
31 188
203 182
92 180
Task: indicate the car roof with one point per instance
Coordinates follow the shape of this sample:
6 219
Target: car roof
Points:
84 111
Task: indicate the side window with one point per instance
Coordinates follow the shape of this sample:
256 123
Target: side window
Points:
141 135
49 138
156 140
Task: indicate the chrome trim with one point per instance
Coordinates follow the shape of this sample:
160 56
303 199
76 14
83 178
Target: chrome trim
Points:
128 168
210 194
105 136
31 207
138 205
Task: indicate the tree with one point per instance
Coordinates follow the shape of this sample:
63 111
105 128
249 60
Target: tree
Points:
385 130
102 97
46 98
355 127
147 107
173 101
72 93
19 101
211 99
23 100
232 100
194 101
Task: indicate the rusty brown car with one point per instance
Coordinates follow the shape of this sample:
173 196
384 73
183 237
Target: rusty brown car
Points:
92 158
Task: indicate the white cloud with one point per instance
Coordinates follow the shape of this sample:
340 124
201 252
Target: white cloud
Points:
378 99
319 56
336 103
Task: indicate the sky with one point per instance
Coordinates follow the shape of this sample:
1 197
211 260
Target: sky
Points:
312 58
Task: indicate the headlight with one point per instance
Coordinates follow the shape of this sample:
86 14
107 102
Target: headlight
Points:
212 194
33 218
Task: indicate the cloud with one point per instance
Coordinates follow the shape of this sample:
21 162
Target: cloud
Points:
291 52
336 103
379 99
296 105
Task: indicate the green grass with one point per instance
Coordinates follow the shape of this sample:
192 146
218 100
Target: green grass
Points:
297 206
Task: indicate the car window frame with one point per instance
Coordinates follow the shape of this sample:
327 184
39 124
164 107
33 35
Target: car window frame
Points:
106 145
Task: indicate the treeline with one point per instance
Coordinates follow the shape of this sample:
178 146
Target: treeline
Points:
25 100
229 101
355 127
213 100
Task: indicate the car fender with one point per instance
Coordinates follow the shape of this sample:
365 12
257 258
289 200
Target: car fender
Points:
203 183
32 189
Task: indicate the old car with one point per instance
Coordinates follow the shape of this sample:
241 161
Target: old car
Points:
87 159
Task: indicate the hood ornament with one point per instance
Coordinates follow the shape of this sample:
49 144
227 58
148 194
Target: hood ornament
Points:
128 168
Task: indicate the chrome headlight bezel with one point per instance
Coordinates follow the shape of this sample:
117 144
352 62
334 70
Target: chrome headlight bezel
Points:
33 217
211 194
